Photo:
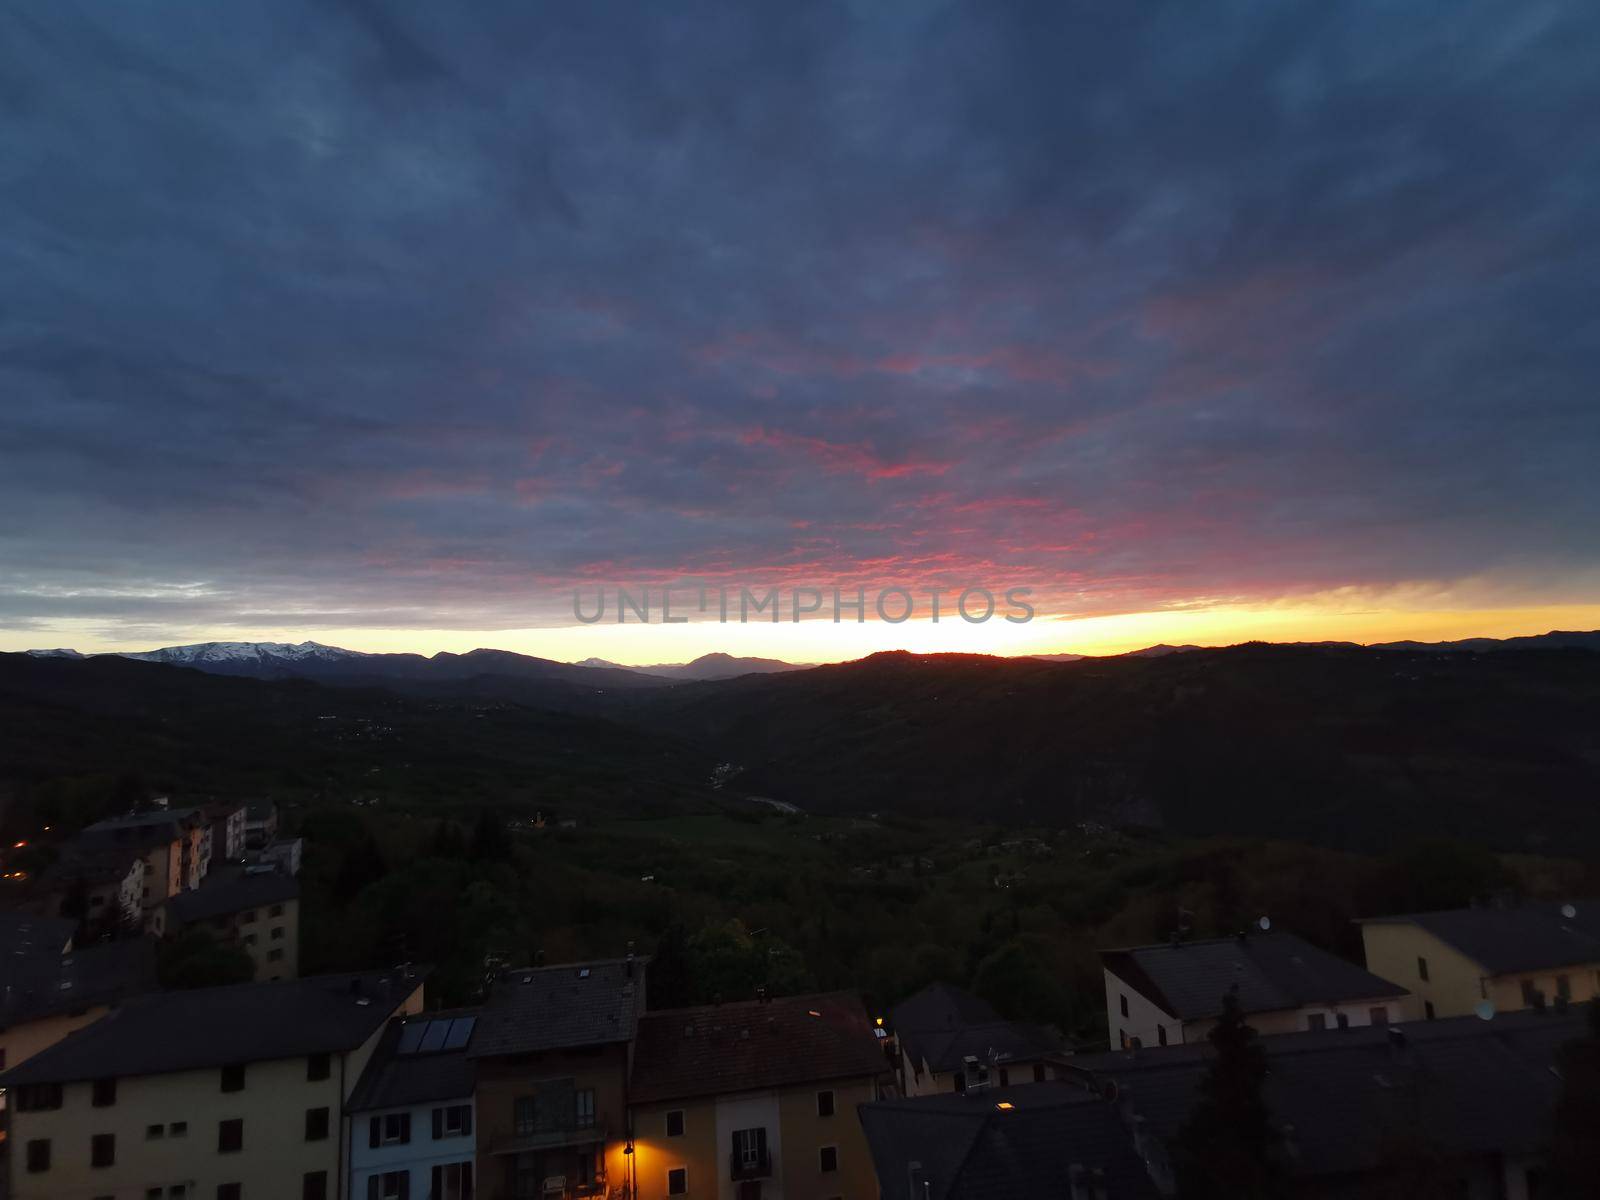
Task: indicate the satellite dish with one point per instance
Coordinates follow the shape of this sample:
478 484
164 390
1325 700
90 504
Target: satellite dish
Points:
1485 1010
1569 911
1265 923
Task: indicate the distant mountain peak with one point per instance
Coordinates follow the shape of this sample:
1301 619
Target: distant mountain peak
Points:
59 652
244 652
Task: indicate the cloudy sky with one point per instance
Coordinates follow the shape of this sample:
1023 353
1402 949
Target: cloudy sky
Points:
389 323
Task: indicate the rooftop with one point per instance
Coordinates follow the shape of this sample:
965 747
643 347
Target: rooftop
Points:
44 985
969 1147
1521 937
213 1027
943 1025
718 1049
233 891
25 936
420 1059
1268 971
548 1008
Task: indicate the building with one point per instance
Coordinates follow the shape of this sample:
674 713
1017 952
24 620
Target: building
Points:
1171 994
260 824
214 1092
755 1101
172 845
412 1113
1049 1139
284 855
49 990
101 889
1508 956
257 911
552 1049
225 827
945 1039
1455 1107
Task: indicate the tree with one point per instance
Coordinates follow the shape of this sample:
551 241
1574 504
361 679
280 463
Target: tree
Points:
1574 1148
1227 1149
361 865
670 985
489 840
195 959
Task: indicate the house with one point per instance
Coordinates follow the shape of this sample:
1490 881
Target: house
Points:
256 911
1456 1107
171 843
1508 956
411 1114
1171 994
946 1039
755 1101
212 1092
551 1050
1048 1139
102 889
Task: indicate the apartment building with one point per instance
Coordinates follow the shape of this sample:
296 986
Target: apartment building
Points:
1170 994
944 1038
50 988
102 889
223 1093
171 843
258 911
413 1133
225 830
552 1049
1497 958
755 1101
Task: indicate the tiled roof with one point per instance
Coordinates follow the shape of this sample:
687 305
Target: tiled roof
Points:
92 865
1469 1086
576 1004
231 893
48 984
1523 937
941 1025
396 1080
214 1027
725 1048
968 1148
1268 972
941 1006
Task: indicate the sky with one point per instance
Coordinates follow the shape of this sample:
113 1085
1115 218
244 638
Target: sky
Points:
390 324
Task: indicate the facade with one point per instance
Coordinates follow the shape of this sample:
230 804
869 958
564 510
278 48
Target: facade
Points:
225 827
945 1039
552 1050
256 911
1509 957
260 824
212 1092
1171 994
755 1101
284 855
412 1114
172 844
102 889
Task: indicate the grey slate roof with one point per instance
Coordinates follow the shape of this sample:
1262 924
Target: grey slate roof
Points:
1472 1087
576 1004
1525 937
23 936
1269 972
941 1025
214 1027
231 893
395 1080
48 984
969 1149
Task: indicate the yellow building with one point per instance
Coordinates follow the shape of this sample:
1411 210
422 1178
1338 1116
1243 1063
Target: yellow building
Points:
1505 957
258 912
755 1101
225 1092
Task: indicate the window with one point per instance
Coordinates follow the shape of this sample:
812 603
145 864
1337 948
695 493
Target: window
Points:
452 1181
277 933
393 1129
1317 1021
103 1150
316 1124
1161 1035
154 1133
828 1158
675 1123
1564 986
454 1121
583 1108
177 1191
1135 1043
1422 968
524 1116
1379 1015
1123 998
1427 1009
233 1078
1038 1072
38 1156
230 1191
230 1136
1530 994
274 955
249 939
677 1181
824 1104
103 1093
38 1097
1341 1020
178 1129
1005 1077
314 1186
318 1066
275 911
750 1151
391 1185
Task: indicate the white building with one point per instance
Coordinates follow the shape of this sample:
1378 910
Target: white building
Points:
1172 993
412 1114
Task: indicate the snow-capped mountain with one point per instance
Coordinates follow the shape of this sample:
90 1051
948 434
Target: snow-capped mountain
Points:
251 653
61 652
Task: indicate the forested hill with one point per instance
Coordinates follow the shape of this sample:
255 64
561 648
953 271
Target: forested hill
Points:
1344 747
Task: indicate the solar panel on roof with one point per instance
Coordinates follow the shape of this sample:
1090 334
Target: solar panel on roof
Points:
411 1036
460 1031
433 1039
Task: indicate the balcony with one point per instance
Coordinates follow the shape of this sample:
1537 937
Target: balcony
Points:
541 1137
750 1164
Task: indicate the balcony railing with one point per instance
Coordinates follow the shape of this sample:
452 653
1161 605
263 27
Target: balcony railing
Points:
514 1142
748 1165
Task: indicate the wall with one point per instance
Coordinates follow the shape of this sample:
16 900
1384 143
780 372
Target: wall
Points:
418 1156
1144 1017
805 1133
1454 985
698 1149
21 1042
748 1110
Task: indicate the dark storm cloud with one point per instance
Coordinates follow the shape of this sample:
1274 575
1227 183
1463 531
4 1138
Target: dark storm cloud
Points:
351 312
